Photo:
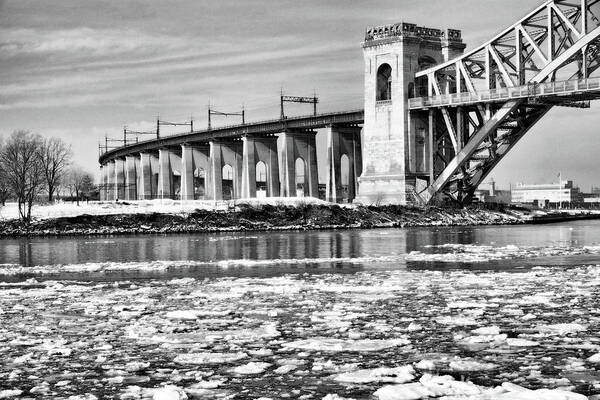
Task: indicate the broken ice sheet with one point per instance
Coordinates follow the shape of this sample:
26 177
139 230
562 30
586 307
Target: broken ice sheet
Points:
301 335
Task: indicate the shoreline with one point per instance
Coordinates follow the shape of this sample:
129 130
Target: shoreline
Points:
267 218
258 218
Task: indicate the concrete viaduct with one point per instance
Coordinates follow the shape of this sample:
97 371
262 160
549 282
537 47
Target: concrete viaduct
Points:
264 159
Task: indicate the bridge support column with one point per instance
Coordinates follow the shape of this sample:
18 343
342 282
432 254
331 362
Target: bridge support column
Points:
202 165
257 150
148 186
110 180
119 183
295 145
103 182
216 171
130 178
248 168
226 165
343 141
165 174
187 172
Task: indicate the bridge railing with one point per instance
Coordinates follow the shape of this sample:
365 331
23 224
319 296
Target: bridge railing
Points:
502 94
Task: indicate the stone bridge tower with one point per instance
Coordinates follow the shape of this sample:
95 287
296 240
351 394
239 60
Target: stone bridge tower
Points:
397 157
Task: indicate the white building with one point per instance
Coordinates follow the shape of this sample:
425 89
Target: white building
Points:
545 194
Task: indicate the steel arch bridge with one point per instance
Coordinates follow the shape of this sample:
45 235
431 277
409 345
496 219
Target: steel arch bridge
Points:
479 105
471 108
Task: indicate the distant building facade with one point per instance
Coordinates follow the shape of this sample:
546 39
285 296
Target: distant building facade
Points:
492 195
547 194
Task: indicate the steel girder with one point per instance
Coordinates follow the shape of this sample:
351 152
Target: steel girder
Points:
559 40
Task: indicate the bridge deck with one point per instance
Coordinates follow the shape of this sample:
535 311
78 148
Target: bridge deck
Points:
575 88
237 131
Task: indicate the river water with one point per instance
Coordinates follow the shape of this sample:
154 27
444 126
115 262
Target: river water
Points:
360 314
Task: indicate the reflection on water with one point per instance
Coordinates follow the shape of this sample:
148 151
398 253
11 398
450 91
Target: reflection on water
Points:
295 245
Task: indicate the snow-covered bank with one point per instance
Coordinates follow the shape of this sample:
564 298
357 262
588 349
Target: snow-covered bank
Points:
162 206
263 215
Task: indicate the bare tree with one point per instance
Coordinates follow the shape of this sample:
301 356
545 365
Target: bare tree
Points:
55 155
20 161
80 182
4 186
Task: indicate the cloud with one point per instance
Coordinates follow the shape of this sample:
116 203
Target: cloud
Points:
80 42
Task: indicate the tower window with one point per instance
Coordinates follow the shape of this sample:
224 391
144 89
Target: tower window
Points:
384 82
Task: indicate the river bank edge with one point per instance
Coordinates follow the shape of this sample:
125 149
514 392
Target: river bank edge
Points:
264 218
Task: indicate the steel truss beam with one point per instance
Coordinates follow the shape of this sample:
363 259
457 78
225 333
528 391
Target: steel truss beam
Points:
557 36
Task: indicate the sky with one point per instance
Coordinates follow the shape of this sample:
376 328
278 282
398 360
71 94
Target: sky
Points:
82 69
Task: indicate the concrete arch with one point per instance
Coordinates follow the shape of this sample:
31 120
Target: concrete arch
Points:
300 178
199 183
228 181
261 181
345 172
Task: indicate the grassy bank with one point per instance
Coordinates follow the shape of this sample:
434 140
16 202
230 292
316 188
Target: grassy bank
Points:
264 217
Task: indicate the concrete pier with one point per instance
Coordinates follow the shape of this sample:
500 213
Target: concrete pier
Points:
257 150
119 182
130 178
343 144
299 145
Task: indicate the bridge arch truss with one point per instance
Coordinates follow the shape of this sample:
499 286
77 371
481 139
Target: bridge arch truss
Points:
482 103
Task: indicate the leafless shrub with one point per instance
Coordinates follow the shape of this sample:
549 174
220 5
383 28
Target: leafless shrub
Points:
79 182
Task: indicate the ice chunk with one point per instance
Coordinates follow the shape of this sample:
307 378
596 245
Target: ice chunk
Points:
562 329
401 374
510 391
209 358
471 365
488 330
251 368
517 342
428 387
339 345
284 369
183 314
456 321
10 393
169 392
407 391
426 365
595 358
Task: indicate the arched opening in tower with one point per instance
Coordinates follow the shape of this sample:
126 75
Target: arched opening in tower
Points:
384 82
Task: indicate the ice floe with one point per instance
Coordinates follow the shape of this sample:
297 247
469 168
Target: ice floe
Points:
308 335
209 358
388 375
338 345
